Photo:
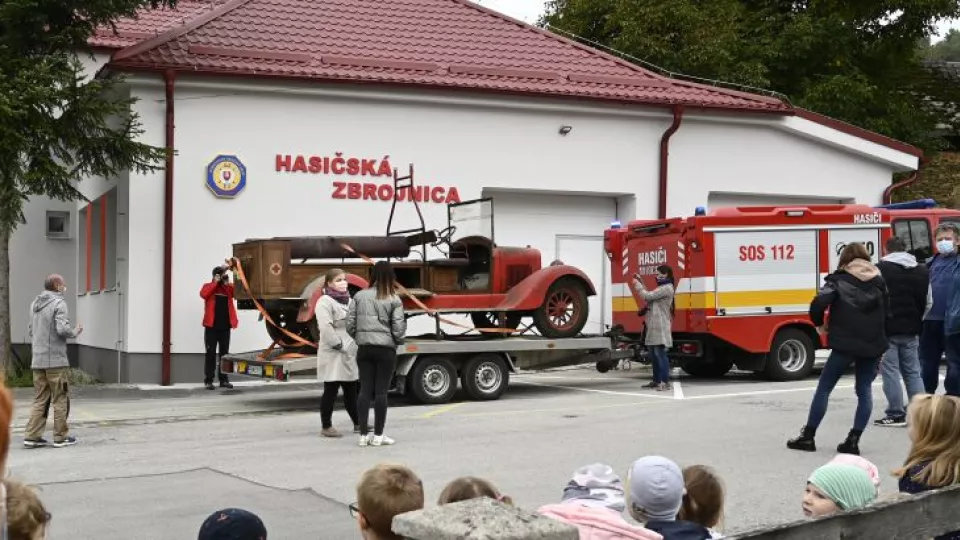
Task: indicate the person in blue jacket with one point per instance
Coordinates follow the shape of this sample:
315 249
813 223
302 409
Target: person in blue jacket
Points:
941 326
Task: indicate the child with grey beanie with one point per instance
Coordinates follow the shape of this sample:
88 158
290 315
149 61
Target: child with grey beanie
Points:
655 496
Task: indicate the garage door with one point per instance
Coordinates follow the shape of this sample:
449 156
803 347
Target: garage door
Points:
565 227
721 199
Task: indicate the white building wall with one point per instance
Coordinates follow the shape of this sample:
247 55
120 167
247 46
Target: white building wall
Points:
749 159
33 256
491 144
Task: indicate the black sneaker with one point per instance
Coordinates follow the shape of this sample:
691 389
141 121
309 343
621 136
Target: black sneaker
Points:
68 441
226 385
891 421
209 386
35 443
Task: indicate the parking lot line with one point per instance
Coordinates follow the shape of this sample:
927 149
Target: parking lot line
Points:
677 390
441 410
596 391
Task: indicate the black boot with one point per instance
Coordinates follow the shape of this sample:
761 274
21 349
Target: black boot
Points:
851 445
805 441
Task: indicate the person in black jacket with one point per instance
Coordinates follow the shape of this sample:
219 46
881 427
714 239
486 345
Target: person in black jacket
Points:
910 299
858 302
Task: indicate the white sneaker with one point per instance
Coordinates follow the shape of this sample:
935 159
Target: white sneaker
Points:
381 440
364 440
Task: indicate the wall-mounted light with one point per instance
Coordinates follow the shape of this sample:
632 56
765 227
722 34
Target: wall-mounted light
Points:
565 129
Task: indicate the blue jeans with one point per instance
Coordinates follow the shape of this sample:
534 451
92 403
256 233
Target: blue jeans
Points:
951 383
837 363
901 360
661 363
933 341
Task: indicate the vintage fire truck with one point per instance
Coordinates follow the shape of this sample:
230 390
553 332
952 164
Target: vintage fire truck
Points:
745 276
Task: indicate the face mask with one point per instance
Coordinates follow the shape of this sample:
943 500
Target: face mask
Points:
339 286
945 247
662 280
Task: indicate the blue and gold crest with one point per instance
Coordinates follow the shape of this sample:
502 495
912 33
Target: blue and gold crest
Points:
226 176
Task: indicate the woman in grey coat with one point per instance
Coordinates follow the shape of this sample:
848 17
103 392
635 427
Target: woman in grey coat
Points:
377 322
659 323
336 352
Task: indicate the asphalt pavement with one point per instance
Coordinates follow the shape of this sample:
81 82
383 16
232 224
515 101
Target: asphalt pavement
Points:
155 468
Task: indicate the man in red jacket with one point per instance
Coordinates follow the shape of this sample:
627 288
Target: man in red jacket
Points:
219 318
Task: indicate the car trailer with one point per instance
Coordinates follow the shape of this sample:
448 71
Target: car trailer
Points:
428 370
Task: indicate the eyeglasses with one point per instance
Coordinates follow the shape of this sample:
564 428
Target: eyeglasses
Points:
354 510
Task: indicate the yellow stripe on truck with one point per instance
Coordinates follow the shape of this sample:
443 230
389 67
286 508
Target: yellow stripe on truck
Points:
729 299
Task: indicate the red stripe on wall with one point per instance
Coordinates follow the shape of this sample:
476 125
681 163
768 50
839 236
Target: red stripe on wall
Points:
89 246
103 242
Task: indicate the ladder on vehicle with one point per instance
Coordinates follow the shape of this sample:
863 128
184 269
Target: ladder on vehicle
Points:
406 184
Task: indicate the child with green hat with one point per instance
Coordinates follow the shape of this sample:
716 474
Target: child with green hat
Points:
836 487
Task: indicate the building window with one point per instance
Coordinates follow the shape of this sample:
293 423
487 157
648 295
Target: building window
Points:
98 245
58 224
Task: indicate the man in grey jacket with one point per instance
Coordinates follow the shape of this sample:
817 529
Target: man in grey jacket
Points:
49 329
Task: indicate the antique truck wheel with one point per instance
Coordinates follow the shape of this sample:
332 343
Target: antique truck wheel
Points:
489 319
289 322
564 310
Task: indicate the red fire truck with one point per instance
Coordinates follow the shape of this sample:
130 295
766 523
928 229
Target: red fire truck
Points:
746 276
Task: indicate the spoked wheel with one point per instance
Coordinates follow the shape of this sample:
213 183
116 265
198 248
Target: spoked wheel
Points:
564 310
289 323
489 319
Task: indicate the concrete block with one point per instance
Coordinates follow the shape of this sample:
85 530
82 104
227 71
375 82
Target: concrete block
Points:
480 519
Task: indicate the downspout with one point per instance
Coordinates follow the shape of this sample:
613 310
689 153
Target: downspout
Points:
168 78
888 193
665 158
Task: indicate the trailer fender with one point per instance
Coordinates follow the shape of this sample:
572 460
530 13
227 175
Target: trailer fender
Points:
529 293
314 290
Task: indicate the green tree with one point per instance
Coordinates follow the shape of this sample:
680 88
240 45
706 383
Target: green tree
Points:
946 50
57 126
853 60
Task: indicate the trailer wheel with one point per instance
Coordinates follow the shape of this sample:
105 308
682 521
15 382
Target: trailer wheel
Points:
433 380
791 357
564 310
485 377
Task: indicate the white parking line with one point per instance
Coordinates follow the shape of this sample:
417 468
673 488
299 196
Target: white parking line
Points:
677 391
595 390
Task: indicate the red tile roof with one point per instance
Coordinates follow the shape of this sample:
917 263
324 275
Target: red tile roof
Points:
438 43
150 24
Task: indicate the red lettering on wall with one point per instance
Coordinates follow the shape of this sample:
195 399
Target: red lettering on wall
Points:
437 195
283 162
385 192
370 192
453 195
353 190
339 190
300 164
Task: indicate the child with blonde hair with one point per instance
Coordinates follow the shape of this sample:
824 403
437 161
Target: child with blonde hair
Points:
384 492
471 487
27 518
933 425
703 500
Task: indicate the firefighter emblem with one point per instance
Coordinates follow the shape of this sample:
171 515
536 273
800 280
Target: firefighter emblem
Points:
226 176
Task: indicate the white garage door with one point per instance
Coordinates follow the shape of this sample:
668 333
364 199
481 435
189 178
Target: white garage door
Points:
720 200
565 227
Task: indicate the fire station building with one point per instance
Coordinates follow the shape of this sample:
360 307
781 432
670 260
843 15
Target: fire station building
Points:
288 118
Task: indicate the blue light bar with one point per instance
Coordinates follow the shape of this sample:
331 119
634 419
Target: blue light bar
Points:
615 225
700 211
919 204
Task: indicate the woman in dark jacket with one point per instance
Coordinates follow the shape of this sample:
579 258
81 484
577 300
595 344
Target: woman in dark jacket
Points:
858 302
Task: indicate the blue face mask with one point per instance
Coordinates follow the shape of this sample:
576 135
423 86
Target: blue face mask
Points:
662 280
945 247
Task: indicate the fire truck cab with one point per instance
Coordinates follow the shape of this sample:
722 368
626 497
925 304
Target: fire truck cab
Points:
745 276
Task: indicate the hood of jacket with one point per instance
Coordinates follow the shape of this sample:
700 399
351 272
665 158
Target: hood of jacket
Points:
44 299
902 258
597 523
680 530
862 270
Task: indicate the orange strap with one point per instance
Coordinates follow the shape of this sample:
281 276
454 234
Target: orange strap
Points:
432 312
238 268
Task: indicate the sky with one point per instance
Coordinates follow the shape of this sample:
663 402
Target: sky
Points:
530 10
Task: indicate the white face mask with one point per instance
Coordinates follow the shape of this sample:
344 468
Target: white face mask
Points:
945 247
339 286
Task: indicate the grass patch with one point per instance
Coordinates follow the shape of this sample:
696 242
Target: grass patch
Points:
24 378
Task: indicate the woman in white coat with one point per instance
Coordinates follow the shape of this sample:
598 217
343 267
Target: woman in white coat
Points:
336 353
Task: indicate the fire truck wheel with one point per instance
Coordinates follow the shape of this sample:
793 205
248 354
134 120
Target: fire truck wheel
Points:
791 357
485 377
433 380
714 369
564 310
288 320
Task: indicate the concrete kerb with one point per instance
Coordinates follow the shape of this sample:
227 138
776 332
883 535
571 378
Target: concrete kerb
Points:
146 391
